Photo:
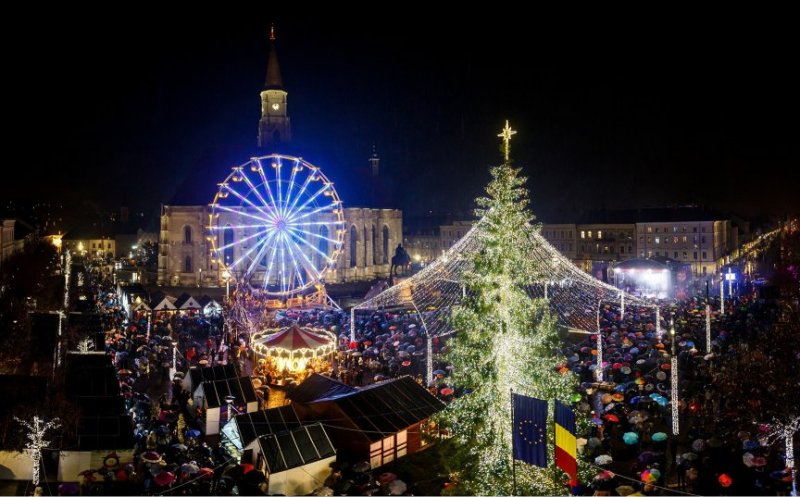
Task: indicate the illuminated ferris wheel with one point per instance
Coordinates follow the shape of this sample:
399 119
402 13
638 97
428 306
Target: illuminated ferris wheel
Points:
276 223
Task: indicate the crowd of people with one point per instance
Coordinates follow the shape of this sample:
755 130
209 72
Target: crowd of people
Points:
629 441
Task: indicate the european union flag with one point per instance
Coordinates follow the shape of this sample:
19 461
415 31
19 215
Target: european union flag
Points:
530 430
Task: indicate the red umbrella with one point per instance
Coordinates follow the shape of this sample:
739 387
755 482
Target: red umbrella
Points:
247 467
151 456
447 391
164 478
611 417
205 473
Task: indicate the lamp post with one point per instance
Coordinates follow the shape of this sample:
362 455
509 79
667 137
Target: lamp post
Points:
229 400
226 275
708 328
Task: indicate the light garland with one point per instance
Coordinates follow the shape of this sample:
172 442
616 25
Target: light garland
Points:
674 382
36 431
786 432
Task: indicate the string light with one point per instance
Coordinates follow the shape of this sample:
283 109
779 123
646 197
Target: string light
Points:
36 431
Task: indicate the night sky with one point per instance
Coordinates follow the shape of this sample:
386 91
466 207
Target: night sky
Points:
150 107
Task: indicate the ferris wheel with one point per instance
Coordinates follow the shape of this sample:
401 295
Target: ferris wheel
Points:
276 223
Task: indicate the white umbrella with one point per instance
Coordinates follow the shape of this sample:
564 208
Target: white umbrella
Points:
397 487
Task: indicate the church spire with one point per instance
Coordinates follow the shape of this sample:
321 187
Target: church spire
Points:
274 80
274 128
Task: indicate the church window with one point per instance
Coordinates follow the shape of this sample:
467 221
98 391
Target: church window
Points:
386 245
187 264
353 245
187 234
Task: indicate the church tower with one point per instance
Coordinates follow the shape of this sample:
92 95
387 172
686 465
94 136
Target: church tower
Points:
375 162
274 128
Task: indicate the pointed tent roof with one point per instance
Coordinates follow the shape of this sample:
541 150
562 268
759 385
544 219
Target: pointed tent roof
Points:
317 387
186 301
294 338
274 80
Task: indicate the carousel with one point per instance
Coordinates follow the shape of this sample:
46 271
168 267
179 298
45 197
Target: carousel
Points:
290 354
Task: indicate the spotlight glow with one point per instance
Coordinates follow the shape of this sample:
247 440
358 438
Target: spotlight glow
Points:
277 223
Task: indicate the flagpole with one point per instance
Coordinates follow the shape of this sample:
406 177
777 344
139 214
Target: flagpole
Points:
513 461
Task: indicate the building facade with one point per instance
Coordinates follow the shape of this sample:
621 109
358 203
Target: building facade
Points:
185 257
684 235
704 245
90 245
6 240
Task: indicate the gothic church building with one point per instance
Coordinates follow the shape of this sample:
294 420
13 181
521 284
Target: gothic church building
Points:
371 235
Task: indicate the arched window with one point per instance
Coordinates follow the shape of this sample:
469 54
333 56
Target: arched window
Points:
187 234
187 264
323 243
353 245
385 244
227 241
374 245
365 246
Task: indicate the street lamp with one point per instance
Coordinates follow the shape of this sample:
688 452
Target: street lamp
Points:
226 275
229 400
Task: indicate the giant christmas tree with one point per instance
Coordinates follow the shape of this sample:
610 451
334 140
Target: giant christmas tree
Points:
505 340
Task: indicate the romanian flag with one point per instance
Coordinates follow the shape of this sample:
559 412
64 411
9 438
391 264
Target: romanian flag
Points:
566 444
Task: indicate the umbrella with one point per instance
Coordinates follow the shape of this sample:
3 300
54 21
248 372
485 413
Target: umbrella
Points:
361 467
247 467
387 477
164 478
439 372
380 377
699 445
446 391
725 480
630 438
604 459
192 433
397 487
205 473
659 436
179 447
750 444
625 490
613 418
650 475
593 442
125 372
151 457
68 489
618 397
689 456
190 467
647 457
